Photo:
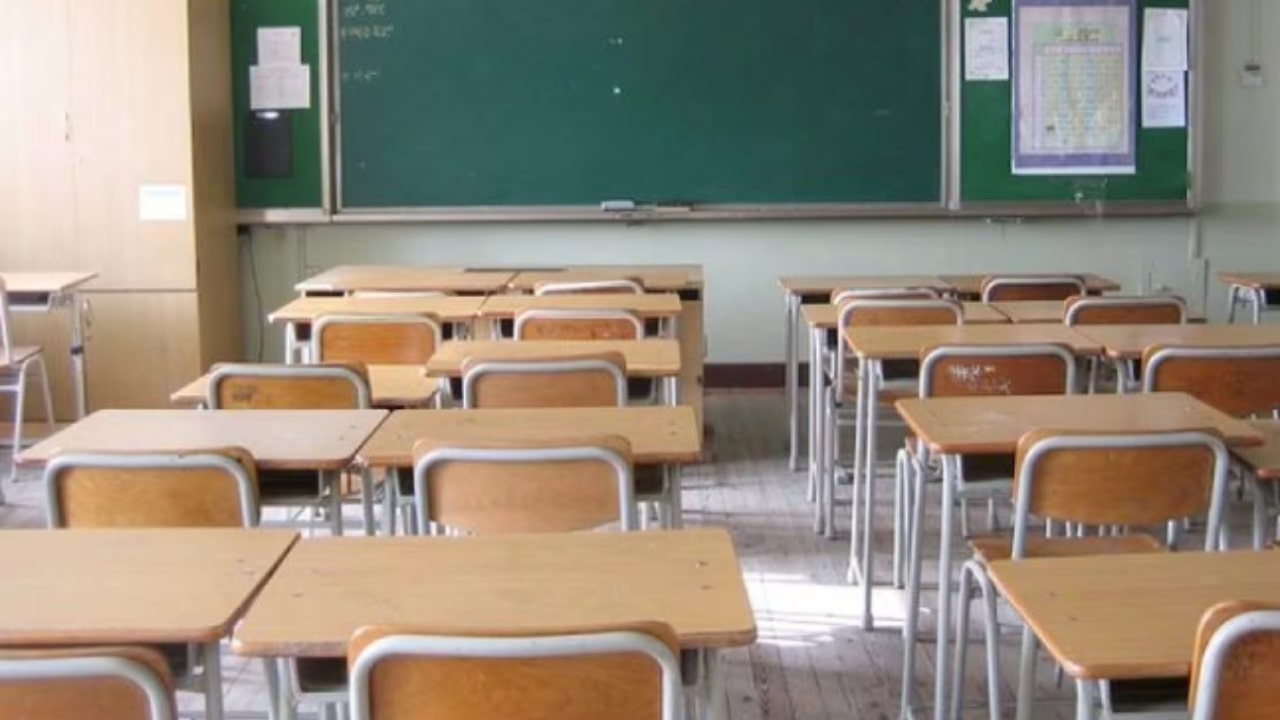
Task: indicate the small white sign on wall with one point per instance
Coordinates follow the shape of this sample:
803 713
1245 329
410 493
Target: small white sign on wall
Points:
162 203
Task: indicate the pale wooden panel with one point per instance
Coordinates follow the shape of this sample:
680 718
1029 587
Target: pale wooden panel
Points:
141 346
693 353
36 189
131 125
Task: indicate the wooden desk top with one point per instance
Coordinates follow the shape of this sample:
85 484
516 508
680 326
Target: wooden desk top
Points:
1263 281
658 435
972 284
1264 458
972 425
447 309
649 305
826 315
1031 311
1131 616
651 277
346 278
278 439
44 282
815 284
90 587
392 386
896 343
329 587
1128 341
645 358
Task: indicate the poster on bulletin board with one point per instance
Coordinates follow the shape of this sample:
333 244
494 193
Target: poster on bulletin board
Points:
1074 85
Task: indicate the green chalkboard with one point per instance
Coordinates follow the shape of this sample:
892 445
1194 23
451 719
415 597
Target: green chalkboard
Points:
986 145
302 187
572 102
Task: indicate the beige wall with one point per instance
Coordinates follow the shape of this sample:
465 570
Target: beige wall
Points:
1240 228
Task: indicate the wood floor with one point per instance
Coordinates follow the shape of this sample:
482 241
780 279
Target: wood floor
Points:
811 661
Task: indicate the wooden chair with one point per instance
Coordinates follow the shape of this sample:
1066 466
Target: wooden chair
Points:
1237 662
621 672
17 363
1031 287
339 386
892 381
1117 310
196 488
375 339
969 370
1239 381
103 683
618 286
508 486
558 324
1108 481
594 380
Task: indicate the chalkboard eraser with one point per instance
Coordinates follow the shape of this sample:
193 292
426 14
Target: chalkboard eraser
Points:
618 205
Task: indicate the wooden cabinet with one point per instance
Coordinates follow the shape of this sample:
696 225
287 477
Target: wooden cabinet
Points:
106 97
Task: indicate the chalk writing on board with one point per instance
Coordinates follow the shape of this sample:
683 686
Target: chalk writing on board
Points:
360 76
360 33
355 9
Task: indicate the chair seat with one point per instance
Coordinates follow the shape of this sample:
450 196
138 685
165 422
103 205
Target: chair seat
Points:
1000 547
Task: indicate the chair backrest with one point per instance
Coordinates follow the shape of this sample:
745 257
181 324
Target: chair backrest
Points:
196 488
1035 287
1114 310
840 296
558 324
1236 666
596 380
619 286
249 386
1119 479
6 337
1239 381
620 672
524 486
862 311
375 339
959 370
108 683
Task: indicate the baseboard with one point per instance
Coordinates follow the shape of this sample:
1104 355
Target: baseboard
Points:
723 376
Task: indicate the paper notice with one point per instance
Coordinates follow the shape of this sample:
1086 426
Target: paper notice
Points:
279 46
279 87
1164 99
1164 39
162 203
986 48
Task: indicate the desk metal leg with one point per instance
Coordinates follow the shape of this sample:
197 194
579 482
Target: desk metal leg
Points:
213 680
1085 707
869 479
914 571
942 659
77 355
1259 299
817 428
1233 297
711 691
675 486
271 675
791 353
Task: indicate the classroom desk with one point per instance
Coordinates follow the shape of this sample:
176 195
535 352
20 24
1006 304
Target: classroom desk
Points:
329 587
115 587
1031 311
685 280
665 436
391 386
325 441
663 307
957 426
970 286
345 279
800 290
658 359
37 292
872 346
1127 342
1250 288
1112 617
299 314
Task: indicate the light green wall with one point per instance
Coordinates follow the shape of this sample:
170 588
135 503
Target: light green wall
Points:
1239 229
